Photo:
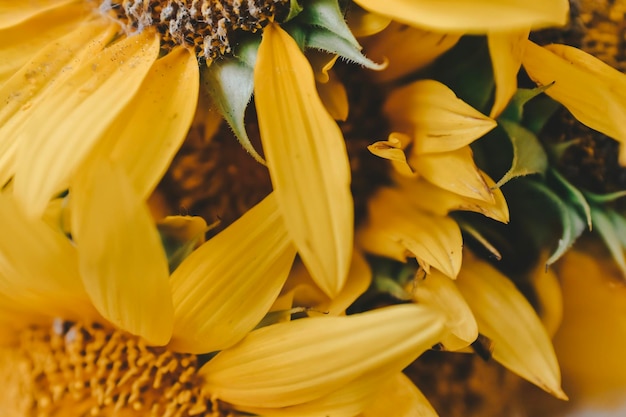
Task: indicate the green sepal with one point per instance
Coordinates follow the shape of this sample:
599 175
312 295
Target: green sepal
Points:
572 195
529 156
572 223
604 198
610 226
515 109
294 10
325 40
179 240
279 316
387 285
326 14
230 83
538 113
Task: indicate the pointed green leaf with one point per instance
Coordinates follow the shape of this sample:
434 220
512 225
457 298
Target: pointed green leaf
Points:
537 113
294 10
606 228
529 156
326 40
515 110
572 195
230 84
604 198
326 14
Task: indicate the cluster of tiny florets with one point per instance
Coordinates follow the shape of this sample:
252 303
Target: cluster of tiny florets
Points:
210 27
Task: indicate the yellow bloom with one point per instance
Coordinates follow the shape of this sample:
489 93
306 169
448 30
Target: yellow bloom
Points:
117 303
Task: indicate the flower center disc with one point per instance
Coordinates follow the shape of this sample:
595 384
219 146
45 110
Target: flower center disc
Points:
90 370
208 26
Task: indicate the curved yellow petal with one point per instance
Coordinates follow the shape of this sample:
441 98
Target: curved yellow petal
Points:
454 171
121 259
521 343
302 360
440 292
591 90
394 150
149 131
472 16
399 394
39 265
28 86
406 49
438 120
346 401
29 36
396 229
15 12
225 287
334 96
307 159
436 200
506 50
364 23
69 122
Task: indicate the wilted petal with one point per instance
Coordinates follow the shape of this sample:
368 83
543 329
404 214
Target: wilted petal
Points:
591 90
394 150
122 261
454 171
225 287
399 394
406 49
70 121
396 229
39 265
506 50
438 120
473 16
506 317
440 292
149 131
307 159
303 360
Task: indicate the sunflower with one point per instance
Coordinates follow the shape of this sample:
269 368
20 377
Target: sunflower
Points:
96 325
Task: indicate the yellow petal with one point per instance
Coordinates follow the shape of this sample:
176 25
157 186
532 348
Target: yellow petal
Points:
149 131
15 12
122 262
28 86
346 401
473 16
39 265
406 49
399 397
306 157
27 37
435 117
393 149
454 171
549 295
591 90
506 50
307 294
364 23
440 292
70 121
224 288
506 317
302 360
334 96
436 200
396 229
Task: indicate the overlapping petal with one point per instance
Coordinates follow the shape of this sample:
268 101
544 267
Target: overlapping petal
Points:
69 122
400 395
521 343
506 50
122 262
591 90
472 16
225 287
396 229
306 157
303 360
